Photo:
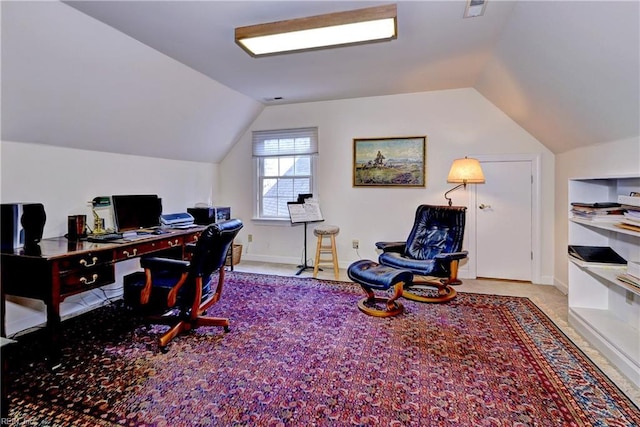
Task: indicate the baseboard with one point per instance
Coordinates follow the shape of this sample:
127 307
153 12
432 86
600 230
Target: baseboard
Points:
26 314
546 280
343 264
270 259
561 286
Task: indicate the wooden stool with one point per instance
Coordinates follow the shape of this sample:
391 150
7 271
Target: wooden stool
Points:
329 231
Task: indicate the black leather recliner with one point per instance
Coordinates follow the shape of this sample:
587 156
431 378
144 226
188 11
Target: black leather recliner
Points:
432 252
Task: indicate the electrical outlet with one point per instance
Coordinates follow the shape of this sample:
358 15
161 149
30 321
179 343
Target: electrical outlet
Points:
250 238
355 244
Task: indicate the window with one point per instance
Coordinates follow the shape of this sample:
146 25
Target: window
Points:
285 168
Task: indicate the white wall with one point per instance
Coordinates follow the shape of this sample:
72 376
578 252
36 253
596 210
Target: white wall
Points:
615 158
64 180
456 122
70 80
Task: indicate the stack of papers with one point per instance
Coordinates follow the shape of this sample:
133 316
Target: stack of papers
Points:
631 220
601 211
631 205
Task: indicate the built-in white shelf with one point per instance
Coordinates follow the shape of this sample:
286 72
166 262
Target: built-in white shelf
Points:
622 336
609 274
602 308
605 225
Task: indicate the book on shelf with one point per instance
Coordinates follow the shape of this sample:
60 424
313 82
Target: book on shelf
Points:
604 211
630 221
596 205
632 216
632 199
604 217
596 255
628 278
628 226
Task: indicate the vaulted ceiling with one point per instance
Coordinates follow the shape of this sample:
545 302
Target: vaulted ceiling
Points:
81 73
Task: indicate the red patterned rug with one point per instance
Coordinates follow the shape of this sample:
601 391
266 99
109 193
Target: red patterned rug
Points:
301 354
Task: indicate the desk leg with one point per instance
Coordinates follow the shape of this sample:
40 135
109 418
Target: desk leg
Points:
53 332
6 346
54 324
4 411
3 308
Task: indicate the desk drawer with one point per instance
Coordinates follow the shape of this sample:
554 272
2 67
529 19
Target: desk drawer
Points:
85 261
144 248
81 280
191 238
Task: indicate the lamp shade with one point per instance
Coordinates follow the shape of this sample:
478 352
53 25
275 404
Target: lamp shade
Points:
466 171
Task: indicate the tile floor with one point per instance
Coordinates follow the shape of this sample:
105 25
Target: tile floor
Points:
550 300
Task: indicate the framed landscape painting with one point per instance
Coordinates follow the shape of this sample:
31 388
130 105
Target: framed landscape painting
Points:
389 162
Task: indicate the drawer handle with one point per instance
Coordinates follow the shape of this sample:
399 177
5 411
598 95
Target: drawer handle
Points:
172 244
93 280
128 255
84 262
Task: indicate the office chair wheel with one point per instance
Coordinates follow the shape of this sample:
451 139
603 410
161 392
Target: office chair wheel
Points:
164 349
227 329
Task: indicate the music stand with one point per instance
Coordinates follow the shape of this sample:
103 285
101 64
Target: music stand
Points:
304 212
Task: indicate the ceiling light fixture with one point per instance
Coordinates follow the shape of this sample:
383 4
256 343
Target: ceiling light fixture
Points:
353 27
475 8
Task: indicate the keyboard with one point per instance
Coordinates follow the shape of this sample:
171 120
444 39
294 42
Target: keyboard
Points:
107 237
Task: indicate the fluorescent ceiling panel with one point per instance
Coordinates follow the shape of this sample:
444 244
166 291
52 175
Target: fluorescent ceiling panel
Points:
475 8
317 32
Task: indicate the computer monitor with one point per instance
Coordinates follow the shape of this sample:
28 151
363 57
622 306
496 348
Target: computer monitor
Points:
133 212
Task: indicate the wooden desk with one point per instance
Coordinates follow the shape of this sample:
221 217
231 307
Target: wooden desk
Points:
59 268
5 346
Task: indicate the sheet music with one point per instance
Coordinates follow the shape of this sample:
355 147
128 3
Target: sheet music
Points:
309 211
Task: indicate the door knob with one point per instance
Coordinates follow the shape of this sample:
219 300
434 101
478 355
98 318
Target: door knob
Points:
483 206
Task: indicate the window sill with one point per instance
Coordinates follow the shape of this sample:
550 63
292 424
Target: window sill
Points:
271 221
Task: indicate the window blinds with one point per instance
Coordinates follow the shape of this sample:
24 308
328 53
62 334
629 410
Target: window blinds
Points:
285 142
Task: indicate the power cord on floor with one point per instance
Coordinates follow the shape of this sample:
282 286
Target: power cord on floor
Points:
110 299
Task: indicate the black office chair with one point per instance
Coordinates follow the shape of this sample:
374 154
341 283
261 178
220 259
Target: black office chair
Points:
178 293
432 252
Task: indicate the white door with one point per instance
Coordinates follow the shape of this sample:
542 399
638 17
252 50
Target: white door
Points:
504 220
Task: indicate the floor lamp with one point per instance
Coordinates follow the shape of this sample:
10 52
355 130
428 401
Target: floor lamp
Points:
464 171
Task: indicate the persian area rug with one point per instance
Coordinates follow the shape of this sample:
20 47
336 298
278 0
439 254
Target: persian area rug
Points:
300 353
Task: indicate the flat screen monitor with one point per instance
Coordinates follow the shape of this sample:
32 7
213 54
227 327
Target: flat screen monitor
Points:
133 212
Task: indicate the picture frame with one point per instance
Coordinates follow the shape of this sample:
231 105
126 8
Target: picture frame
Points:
390 162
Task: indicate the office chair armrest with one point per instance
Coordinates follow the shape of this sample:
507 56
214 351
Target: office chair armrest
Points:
451 256
391 246
156 263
